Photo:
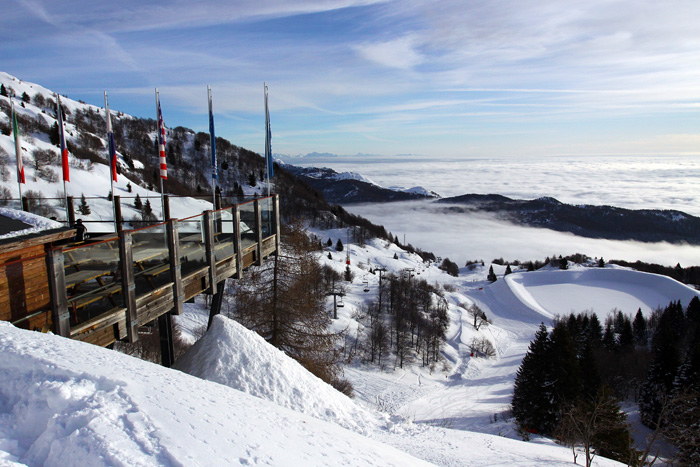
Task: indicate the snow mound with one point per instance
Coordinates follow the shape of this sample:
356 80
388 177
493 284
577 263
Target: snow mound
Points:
596 289
232 355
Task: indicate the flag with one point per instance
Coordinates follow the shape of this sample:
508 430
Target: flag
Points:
62 137
110 143
161 143
268 141
18 148
214 170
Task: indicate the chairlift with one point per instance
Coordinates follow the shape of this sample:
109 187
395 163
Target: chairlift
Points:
340 303
366 284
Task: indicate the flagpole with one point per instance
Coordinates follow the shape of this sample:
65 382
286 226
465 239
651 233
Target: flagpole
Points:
213 147
158 128
111 178
268 148
18 150
59 117
112 161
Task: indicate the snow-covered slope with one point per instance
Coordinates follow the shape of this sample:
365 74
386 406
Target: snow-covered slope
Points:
66 403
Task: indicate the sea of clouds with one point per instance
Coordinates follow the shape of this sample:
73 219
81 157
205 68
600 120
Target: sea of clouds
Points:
635 182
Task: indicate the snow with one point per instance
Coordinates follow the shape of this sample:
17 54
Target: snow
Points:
37 223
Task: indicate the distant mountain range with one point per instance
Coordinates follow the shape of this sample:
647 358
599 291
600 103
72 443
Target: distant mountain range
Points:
644 225
351 188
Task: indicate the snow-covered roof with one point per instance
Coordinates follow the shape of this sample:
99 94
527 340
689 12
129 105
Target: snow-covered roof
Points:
14 223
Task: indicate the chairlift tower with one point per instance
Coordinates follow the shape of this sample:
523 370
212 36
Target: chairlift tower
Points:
336 305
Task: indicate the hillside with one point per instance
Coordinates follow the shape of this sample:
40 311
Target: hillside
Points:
644 225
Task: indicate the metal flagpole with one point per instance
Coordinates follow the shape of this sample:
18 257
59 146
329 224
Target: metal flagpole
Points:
268 156
18 150
111 179
158 130
213 148
111 167
59 115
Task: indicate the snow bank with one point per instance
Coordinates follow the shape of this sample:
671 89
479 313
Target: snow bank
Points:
67 403
232 355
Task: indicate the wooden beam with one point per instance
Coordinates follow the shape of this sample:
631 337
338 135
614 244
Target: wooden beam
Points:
167 348
116 200
216 301
210 256
57 290
175 267
126 257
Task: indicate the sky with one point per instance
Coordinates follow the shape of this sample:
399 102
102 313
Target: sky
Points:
452 78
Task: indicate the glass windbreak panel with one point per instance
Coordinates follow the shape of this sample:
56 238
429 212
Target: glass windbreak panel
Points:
151 259
93 280
223 234
248 232
192 248
266 215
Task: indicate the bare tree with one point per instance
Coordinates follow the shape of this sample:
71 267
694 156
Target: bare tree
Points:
478 316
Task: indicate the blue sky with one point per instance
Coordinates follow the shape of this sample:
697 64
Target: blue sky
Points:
446 79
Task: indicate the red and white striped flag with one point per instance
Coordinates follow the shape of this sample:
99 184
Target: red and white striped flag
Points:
62 137
161 143
18 148
110 143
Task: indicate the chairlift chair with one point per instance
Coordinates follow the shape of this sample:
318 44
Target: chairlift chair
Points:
366 284
340 303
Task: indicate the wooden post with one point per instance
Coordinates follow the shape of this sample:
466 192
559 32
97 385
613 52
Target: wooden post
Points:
25 204
236 212
118 213
258 231
276 225
209 243
175 267
217 197
71 212
60 315
166 208
165 333
216 301
126 259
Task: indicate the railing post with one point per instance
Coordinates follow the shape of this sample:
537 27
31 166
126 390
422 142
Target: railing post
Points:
166 208
71 212
126 259
276 220
25 204
258 231
60 316
118 221
236 212
209 243
175 267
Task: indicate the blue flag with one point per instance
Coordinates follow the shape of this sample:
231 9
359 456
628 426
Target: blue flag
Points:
214 170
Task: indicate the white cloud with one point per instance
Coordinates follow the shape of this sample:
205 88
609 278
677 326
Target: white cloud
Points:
398 53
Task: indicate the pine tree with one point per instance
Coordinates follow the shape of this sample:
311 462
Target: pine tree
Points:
532 391
3 90
491 276
639 329
138 204
25 98
508 270
83 208
329 243
339 245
